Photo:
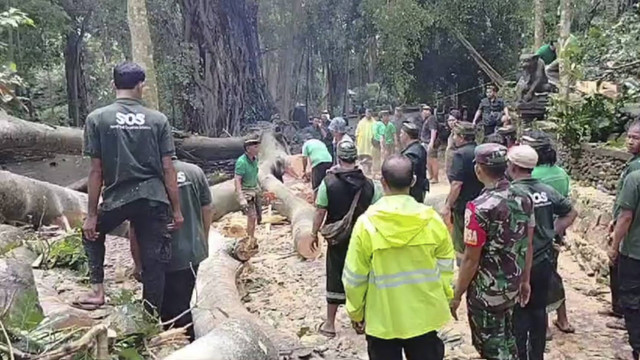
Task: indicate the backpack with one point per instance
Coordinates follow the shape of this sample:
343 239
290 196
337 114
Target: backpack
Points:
340 231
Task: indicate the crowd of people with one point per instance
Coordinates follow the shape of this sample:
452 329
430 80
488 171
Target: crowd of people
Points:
390 258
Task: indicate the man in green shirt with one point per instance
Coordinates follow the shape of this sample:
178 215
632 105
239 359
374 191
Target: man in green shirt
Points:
248 193
317 154
130 148
551 174
386 135
625 250
633 165
189 246
547 53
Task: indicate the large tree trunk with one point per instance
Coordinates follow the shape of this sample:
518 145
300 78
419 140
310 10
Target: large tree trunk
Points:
539 23
20 136
299 212
77 92
142 48
228 83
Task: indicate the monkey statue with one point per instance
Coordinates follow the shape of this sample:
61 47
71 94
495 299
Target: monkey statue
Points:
534 78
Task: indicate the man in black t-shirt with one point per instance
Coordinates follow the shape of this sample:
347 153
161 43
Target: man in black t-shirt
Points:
130 148
465 185
553 215
493 110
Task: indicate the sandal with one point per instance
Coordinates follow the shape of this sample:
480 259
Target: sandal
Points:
87 306
325 333
567 330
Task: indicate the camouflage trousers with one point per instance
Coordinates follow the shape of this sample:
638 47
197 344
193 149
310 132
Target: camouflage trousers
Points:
492 333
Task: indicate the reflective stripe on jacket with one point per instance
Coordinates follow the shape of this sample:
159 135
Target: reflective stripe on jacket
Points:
399 269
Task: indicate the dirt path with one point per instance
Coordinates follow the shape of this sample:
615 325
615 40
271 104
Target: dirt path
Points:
289 293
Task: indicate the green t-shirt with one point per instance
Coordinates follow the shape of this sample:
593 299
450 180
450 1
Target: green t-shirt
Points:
322 199
629 199
248 170
189 245
546 54
317 152
554 176
131 141
548 204
388 131
632 166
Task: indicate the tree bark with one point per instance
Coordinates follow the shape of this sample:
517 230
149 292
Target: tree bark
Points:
142 48
18 136
227 82
299 212
565 31
538 23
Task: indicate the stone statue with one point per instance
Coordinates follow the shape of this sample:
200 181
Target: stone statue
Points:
534 78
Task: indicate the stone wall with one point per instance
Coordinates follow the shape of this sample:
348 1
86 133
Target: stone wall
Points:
587 238
596 166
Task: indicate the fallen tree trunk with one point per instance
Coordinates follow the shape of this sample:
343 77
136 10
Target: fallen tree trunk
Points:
28 201
17 135
298 211
220 317
224 199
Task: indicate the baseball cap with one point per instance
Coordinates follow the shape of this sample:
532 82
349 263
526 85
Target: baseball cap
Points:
524 156
347 150
536 139
464 128
490 154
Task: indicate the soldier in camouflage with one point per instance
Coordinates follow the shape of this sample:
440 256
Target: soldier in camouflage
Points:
497 260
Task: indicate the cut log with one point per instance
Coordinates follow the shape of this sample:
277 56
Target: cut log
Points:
217 301
224 199
18 293
298 211
29 201
17 135
81 185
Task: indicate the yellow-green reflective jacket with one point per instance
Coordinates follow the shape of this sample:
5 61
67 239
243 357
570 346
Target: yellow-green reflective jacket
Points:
399 268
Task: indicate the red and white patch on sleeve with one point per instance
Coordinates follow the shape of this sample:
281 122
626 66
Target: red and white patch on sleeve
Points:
474 234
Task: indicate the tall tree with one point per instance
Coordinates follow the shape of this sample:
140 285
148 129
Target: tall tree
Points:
227 81
142 48
565 31
538 23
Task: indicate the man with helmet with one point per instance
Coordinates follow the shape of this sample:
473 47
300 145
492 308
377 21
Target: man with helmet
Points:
338 128
336 196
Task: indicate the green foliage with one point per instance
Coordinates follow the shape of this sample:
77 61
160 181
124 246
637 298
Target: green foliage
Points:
25 314
69 253
373 95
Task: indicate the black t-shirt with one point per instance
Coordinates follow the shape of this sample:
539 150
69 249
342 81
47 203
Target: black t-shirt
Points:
548 203
430 124
131 141
492 111
462 169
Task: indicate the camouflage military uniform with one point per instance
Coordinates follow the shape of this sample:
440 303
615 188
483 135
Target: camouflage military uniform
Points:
497 221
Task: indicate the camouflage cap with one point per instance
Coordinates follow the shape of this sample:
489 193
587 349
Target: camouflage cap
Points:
524 156
507 130
252 140
411 129
464 128
347 150
536 139
490 154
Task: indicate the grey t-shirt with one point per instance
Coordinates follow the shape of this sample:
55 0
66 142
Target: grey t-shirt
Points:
189 245
131 141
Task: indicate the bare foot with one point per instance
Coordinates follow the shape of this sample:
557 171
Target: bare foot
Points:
89 301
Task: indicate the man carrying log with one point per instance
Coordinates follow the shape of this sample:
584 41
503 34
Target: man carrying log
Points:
130 148
189 246
248 193
398 272
316 156
344 194
409 138
553 215
496 265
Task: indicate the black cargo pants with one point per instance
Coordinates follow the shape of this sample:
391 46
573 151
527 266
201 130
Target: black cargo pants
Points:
629 292
150 219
